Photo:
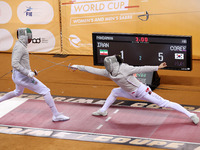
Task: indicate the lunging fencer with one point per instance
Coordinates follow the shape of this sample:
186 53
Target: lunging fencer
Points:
129 86
23 77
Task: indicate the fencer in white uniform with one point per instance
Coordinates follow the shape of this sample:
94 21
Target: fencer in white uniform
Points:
23 77
129 86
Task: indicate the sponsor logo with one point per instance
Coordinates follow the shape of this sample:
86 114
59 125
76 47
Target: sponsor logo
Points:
40 12
98 7
42 41
179 56
36 40
39 40
5 12
97 137
102 101
74 40
6 40
178 48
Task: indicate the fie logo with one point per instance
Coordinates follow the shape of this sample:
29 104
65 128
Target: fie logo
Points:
35 12
74 40
28 11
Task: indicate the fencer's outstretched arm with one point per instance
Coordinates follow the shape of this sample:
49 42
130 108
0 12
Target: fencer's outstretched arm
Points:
141 69
89 69
126 68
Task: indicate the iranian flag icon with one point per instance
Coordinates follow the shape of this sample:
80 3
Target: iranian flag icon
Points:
103 52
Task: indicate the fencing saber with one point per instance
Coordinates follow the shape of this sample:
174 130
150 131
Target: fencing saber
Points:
36 72
55 64
59 64
145 16
5 74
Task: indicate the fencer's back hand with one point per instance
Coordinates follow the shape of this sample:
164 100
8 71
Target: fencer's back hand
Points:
31 74
162 65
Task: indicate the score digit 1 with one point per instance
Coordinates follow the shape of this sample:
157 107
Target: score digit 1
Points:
122 54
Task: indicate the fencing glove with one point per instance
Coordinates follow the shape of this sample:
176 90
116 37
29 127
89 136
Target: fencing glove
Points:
31 74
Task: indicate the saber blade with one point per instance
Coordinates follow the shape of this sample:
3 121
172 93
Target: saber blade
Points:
5 74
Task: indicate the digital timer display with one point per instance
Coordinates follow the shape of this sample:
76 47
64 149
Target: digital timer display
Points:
141 39
144 49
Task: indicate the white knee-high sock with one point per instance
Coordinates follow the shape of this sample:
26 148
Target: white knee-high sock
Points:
179 108
8 96
109 101
156 99
50 102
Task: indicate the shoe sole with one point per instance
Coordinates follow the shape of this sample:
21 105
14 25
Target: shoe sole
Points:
99 115
60 120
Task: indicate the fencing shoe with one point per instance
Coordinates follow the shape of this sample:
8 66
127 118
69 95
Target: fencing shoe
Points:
99 113
60 117
195 118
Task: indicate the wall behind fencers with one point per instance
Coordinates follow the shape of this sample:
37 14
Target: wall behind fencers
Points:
42 17
79 18
82 17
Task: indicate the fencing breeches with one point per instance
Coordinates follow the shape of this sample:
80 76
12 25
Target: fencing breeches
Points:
143 93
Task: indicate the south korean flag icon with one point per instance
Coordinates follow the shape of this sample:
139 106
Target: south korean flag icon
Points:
179 56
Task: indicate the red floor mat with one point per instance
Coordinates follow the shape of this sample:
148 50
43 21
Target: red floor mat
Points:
126 121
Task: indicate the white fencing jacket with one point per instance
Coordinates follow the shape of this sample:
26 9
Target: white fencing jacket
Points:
123 76
20 56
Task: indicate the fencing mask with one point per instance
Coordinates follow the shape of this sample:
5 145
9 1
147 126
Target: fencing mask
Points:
111 64
25 35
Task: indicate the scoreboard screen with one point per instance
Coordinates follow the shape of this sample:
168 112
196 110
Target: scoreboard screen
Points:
144 49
